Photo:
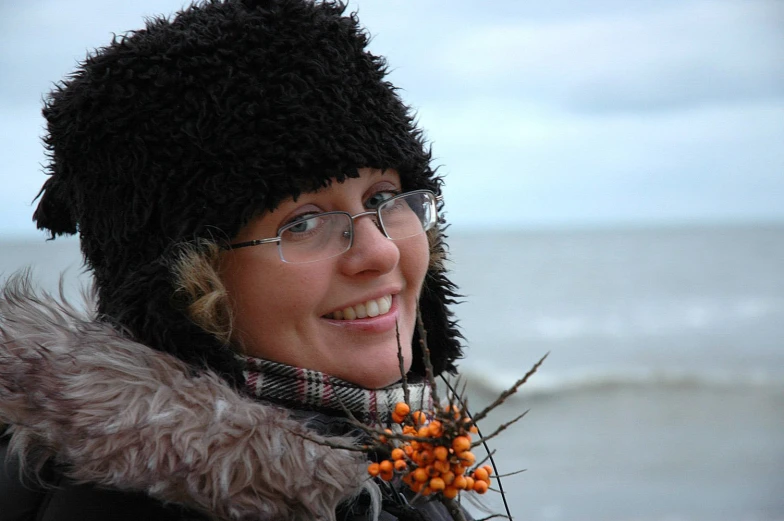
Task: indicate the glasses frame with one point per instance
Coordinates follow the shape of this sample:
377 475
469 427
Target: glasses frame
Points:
378 221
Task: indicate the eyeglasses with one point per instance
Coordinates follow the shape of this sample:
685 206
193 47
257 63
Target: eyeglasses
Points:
325 235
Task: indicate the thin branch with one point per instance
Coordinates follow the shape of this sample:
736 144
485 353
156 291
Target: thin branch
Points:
489 456
509 392
498 431
453 507
508 474
429 373
401 363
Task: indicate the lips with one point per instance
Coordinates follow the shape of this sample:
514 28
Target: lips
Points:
370 308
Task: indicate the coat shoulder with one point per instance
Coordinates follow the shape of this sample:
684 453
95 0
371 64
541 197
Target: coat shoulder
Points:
53 498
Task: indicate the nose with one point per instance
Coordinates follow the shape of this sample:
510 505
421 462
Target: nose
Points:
372 252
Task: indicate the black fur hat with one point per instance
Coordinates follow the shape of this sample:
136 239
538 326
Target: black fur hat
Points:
186 129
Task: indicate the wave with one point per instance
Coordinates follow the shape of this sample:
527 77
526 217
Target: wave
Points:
632 318
493 381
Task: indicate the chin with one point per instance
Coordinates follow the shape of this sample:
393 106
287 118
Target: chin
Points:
381 375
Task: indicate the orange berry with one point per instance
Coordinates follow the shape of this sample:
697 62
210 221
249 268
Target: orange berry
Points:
386 466
420 475
448 477
419 417
441 466
466 458
450 492
397 418
441 453
387 476
423 432
460 482
458 469
401 465
426 456
489 469
408 449
398 454
427 491
480 487
435 428
473 429
432 471
437 484
417 487
469 483
402 409
481 474
373 469
409 430
461 443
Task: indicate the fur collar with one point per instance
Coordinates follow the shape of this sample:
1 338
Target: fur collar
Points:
122 415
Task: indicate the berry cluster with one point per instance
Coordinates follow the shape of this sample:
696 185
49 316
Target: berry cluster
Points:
433 456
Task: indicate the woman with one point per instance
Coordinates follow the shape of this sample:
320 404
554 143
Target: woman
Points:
258 210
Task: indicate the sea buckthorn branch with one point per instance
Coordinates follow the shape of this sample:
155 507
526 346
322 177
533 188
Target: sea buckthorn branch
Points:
499 429
429 373
509 392
401 364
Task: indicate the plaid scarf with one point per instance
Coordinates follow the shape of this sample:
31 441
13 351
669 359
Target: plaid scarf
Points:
304 388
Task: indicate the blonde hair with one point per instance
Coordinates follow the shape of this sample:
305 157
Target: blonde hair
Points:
197 278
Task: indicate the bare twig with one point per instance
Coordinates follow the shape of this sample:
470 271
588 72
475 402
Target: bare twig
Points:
401 363
332 445
509 392
429 373
516 472
453 507
498 430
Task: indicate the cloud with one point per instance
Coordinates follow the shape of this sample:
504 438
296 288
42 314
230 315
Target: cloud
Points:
693 53
515 164
556 112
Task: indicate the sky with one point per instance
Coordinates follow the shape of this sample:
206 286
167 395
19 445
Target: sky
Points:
558 114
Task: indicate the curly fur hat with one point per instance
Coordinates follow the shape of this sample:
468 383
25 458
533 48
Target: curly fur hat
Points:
187 128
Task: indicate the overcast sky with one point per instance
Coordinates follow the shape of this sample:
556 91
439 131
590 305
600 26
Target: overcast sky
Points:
558 113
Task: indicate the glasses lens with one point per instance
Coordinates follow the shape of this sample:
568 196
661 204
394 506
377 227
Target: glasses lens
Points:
408 215
315 238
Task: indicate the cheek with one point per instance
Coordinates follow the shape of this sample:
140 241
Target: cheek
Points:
414 259
268 302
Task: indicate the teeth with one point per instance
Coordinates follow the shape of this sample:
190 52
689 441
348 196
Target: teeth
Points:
371 308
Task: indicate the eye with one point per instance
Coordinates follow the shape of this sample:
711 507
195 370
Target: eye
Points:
375 200
302 224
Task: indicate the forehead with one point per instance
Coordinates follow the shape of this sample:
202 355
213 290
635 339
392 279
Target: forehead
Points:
336 195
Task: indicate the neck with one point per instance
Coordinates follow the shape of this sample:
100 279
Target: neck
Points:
301 388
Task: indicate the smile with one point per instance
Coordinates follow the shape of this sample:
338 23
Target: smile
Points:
371 308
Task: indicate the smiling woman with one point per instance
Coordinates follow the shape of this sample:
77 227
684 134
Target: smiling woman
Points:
260 217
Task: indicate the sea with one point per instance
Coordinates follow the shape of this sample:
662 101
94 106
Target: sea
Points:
662 394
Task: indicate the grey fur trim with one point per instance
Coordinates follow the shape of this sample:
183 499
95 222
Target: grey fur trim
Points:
122 415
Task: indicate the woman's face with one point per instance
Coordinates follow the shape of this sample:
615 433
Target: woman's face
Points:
285 312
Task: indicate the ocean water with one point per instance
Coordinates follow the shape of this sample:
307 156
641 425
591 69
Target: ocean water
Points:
662 397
